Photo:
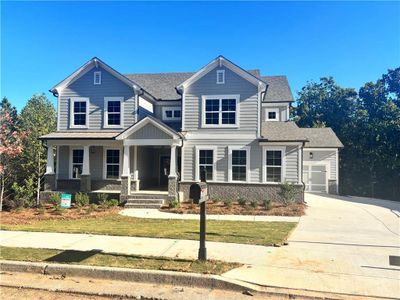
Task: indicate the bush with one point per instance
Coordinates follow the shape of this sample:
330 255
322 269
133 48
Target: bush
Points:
55 199
24 195
267 204
254 203
215 200
242 201
227 202
103 200
92 207
174 204
81 199
113 203
288 192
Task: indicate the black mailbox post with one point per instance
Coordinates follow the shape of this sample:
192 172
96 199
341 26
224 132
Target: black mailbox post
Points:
198 192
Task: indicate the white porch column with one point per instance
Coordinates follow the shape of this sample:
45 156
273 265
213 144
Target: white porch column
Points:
135 167
172 167
126 163
86 166
50 159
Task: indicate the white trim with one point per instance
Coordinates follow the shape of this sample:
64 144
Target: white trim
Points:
337 172
95 77
245 148
268 110
50 159
58 112
105 112
72 114
152 142
197 157
126 162
223 76
264 162
71 149
173 109
141 124
182 161
204 98
320 149
299 165
183 111
105 162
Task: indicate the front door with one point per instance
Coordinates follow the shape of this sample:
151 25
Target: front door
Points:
164 170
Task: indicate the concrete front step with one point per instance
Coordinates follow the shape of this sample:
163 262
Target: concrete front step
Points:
140 205
145 201
148 196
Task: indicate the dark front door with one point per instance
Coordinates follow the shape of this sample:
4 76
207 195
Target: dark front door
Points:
164 170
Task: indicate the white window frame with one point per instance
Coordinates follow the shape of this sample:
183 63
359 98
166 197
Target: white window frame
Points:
219 125
173 109
230 165
95 74
105 162
197 159
105 121
275 110
223 76
264 164
72 114
71 163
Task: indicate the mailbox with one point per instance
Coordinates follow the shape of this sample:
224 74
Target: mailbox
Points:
198 192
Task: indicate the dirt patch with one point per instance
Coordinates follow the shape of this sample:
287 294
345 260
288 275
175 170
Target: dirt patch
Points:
275 209
31 215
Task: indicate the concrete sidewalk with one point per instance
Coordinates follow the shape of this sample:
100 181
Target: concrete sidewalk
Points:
156 214
186 249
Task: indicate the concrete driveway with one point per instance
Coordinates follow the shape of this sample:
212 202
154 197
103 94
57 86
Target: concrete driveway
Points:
342 245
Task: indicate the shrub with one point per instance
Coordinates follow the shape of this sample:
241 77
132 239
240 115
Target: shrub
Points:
55 199
103 200
267 204
174 204
81 199
113 203
24 194
242 201
288 192
215 200
92 207
254 203
227 202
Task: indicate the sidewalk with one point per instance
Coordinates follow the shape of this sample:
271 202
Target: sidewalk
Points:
156 214
186 249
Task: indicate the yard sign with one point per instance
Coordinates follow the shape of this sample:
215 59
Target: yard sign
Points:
65 201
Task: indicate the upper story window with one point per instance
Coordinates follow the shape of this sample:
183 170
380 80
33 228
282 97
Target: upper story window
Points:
113 112
171 113
97 77
220 76
220 111
272 114
79 112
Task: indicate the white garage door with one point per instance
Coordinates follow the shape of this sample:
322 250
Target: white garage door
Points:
314 176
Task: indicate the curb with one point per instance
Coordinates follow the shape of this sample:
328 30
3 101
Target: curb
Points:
124 274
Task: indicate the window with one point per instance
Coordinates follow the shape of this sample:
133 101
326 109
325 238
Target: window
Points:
220 76
206 162
171 113
112 163
113 111
220 111
77 163
79 112
239 160
97 78
274 165
272 114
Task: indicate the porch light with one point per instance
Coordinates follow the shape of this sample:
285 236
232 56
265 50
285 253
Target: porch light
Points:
311 155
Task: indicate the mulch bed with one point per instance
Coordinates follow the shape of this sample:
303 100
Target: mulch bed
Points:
31 215
276 209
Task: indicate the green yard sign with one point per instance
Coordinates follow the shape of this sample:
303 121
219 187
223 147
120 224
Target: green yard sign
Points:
65 201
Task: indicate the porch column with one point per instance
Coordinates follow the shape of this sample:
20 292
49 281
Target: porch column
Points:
172 168
126 173
172 178
85 176
50 177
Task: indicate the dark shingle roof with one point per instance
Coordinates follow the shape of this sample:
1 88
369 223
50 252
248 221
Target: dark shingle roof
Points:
321 138
281 132
162 85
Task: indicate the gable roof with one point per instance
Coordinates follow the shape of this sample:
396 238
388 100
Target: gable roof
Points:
281 132
321 138
278 89
93 63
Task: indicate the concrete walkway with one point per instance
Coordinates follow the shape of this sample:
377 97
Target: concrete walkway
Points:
156 214
342 245
186 249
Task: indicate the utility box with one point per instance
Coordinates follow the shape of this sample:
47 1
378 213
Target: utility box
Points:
198 192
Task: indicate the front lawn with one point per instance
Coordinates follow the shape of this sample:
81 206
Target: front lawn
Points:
93 258
259 233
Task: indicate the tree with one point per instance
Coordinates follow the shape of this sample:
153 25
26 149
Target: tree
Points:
11 146
37 118
6 107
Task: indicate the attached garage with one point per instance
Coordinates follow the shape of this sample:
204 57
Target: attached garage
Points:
315 177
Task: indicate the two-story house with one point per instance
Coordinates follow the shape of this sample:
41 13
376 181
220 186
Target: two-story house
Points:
151 134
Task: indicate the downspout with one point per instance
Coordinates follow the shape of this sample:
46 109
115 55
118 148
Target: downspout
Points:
301 173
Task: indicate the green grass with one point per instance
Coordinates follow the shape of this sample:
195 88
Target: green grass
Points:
94 258
259 233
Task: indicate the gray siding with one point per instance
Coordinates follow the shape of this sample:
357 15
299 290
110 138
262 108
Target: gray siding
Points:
96 162
291 166
63 160
328 156
110 87
149 131
282 112
234 84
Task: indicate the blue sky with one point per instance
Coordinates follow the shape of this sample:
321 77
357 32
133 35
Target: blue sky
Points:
43 42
